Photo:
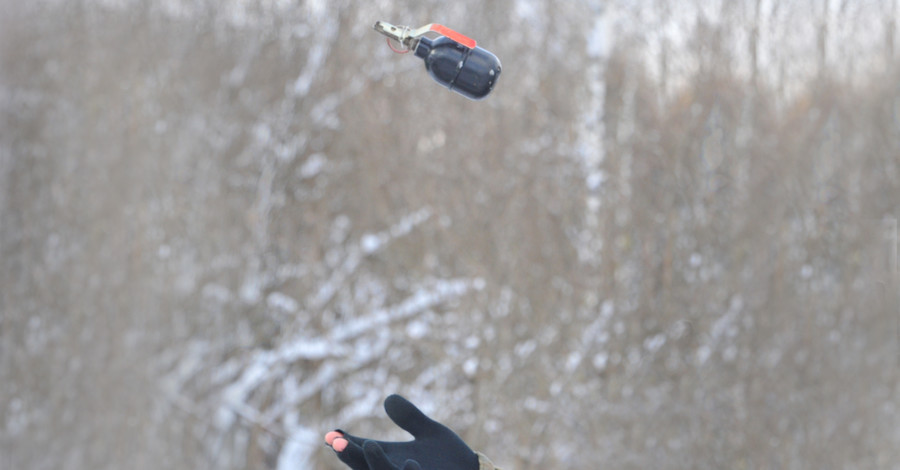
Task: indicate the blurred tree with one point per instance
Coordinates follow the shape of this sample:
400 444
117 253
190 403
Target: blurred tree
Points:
668 239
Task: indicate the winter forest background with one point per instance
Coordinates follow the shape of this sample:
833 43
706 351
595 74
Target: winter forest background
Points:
667 240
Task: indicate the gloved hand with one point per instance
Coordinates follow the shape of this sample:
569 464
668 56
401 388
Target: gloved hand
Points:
434 447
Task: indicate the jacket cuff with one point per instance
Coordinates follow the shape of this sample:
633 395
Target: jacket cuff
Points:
485 463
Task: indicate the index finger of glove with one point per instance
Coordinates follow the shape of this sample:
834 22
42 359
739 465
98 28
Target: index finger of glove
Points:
390 448
376 457
408 417
350 437
411 465
353 456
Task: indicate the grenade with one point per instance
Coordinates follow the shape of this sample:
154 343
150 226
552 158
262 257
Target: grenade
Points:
453 60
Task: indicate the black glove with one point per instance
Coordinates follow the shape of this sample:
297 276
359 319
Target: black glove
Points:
435 446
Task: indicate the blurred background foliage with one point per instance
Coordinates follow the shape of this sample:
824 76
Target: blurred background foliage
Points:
668 239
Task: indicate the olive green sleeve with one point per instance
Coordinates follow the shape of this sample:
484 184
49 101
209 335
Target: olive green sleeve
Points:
485 463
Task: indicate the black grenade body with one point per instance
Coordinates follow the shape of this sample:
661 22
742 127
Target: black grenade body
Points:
469 72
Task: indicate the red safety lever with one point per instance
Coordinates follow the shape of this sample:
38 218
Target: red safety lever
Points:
408 37
458 37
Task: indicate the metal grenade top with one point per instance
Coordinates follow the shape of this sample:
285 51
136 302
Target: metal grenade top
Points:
451 58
